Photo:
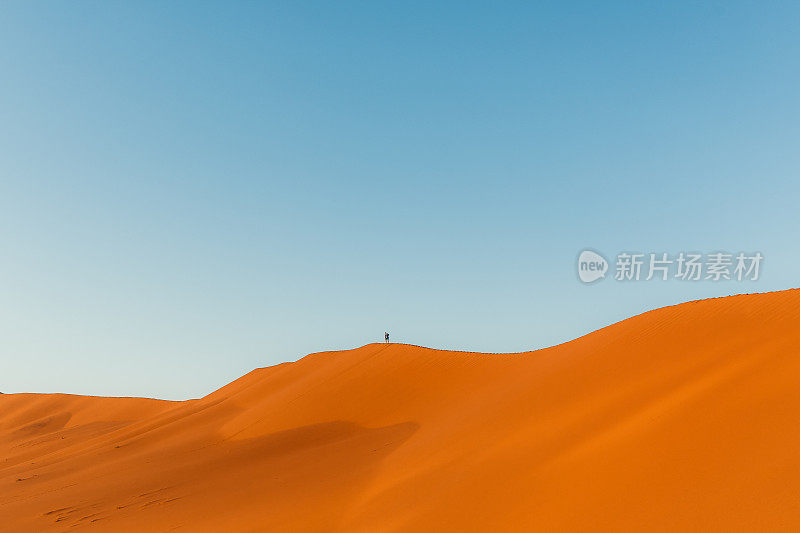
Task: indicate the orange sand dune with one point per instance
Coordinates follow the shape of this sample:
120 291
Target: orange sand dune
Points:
685 418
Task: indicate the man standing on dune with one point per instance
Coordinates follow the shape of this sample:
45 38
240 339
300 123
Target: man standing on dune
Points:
386 336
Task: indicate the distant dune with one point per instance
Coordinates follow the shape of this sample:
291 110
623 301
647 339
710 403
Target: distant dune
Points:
686 418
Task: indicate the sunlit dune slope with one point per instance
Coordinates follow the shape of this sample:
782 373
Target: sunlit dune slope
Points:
686 418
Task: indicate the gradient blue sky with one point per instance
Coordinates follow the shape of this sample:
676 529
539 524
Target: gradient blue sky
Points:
189 190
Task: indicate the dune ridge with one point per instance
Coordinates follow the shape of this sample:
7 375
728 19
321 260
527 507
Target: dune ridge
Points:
679 419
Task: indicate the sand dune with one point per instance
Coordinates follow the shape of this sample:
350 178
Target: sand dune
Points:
681 419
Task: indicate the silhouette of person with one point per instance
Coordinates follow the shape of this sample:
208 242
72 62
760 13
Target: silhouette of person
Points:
386 336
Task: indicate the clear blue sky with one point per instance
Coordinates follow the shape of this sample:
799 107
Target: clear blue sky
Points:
189 190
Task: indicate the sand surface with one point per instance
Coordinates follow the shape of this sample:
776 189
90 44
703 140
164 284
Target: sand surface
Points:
686 418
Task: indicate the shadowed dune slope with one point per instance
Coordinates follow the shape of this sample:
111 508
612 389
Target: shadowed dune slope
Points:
681 419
